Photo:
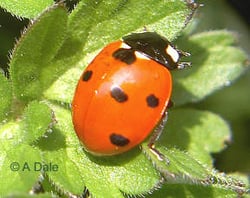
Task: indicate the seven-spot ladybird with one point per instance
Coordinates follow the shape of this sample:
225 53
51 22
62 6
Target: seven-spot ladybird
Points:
124 92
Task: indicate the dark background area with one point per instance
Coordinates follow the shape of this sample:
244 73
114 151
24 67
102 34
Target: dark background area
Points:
232 102
242 7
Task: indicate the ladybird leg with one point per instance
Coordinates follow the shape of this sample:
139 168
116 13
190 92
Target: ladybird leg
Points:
85 193
170 104
155 136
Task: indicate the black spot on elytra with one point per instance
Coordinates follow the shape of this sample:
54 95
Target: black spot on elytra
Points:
125 55
118 94
87 75
152 101
118 140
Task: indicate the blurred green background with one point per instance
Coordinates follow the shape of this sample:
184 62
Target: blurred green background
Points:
232 102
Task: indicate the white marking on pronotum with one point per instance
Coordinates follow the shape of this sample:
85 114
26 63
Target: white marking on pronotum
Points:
125 46
141 55
173 53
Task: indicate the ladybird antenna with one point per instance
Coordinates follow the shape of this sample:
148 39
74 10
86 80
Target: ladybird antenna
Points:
184 53
183 65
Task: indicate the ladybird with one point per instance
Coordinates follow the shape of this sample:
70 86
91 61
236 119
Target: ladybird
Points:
124 92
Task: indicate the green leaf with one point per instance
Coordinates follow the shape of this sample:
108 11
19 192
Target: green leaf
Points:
184 172
25 8
17 161
181 168
10 134
92 24
216 63
26 195
17 168
30 67
110 20
63 89
188 190
200 134
131 173
56 148
37 120
5 97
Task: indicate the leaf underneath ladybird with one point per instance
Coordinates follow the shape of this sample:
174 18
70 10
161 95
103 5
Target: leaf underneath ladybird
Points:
131 172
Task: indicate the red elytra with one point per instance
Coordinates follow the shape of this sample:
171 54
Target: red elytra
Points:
124 92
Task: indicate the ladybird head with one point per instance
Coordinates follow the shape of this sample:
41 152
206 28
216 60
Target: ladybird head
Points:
157 48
